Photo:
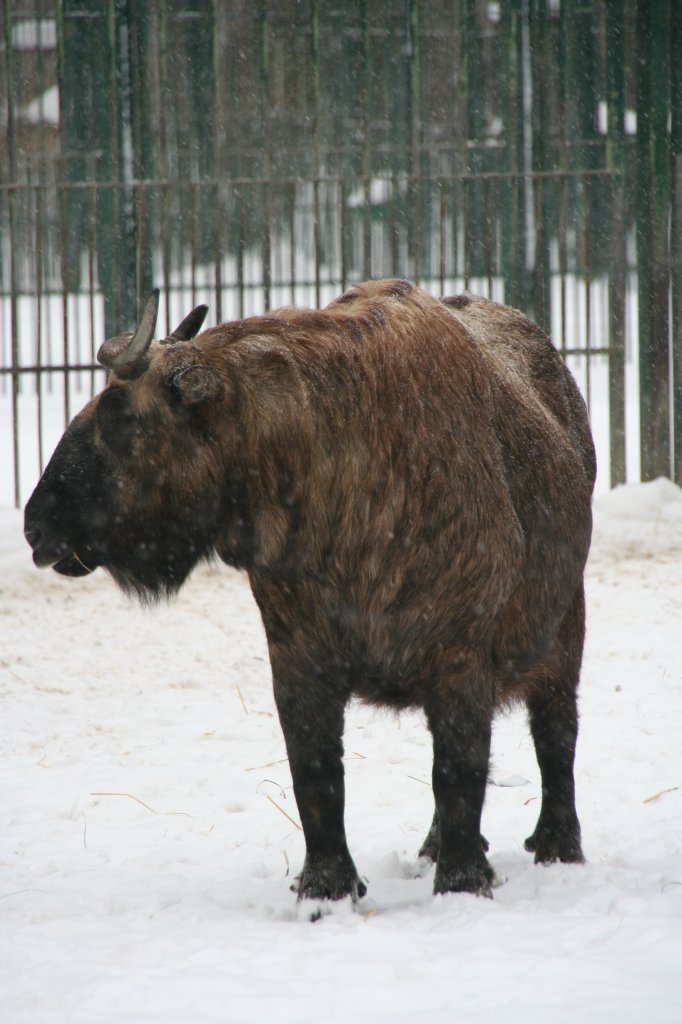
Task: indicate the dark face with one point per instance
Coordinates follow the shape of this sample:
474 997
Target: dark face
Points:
71 493
126 489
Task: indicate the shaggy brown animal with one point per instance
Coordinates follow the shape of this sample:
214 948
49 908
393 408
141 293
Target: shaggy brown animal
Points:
407 482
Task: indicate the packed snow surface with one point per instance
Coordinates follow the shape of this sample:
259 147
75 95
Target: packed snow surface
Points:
150 835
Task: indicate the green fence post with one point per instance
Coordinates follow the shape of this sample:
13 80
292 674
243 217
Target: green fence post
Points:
540 117
125 221
508 107
616 164
11 202
143 132
653 208
676 233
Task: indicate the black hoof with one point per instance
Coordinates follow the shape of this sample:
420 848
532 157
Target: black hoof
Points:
550 847
477 877
329 880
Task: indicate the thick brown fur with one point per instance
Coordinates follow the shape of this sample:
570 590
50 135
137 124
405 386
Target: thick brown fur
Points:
407 482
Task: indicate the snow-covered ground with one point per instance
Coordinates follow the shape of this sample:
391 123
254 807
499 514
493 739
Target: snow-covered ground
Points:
149 833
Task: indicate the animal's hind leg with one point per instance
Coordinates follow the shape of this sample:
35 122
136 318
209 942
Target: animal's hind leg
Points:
553 715
459 718
428 853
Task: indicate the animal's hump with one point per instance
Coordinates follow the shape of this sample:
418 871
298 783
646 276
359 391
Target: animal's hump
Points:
457 301
390 288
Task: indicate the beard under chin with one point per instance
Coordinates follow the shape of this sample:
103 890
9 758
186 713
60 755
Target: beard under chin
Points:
151 581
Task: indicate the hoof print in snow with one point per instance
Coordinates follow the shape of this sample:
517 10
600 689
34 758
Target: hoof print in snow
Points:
315 910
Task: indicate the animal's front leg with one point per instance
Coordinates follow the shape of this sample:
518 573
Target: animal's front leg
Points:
459 717
312 722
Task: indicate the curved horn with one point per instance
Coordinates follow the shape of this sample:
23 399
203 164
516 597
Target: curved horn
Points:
189 327
124 350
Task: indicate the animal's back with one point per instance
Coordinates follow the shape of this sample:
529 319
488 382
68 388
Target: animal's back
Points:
527 359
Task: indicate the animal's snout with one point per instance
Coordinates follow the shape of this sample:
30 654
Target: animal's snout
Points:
33 535
45 550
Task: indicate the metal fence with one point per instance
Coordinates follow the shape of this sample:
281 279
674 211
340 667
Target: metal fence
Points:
254 154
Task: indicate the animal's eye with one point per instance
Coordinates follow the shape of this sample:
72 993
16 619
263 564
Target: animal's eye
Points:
116 420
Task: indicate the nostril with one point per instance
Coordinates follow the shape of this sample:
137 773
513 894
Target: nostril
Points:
33 536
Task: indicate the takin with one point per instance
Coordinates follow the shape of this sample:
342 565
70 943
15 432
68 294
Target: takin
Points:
407 482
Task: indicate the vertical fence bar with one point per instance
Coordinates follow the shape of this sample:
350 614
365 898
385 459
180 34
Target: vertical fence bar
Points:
60 195
316 165
366 88
217 253
676 261
125 227
488 235
164 161
38 254
317 238
267 247
344 236
217 138
466 244
617 270
508 227
113 293
241 248
563 48
140 205
441 235
563 255
166 250
366 229
292 245
414 233
519 235
265 109
193 188
39 322
143 137
393 226
676 233
653 256
527 256
587 281
11 201
91 278
540 135
63 262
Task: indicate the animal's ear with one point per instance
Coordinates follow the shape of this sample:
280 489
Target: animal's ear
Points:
189 327
196 383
